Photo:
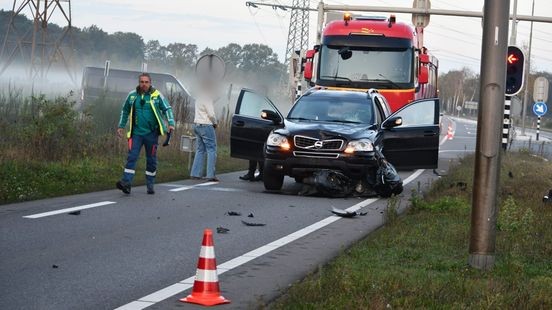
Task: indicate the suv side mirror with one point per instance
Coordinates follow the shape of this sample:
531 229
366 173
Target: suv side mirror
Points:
392 122
271 116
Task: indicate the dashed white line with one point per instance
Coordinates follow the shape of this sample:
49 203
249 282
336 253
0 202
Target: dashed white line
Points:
104 203
185 188
224 189
93 205
187 283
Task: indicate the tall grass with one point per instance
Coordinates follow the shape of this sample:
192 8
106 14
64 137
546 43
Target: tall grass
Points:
52 147
419 261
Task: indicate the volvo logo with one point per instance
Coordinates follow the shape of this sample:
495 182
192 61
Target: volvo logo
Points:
318 144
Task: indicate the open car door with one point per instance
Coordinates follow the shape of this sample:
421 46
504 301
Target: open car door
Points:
414 144
249 131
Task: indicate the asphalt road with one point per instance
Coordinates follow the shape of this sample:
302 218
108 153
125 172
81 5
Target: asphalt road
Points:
141 250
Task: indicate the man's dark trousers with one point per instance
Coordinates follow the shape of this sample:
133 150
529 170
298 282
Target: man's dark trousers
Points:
135 144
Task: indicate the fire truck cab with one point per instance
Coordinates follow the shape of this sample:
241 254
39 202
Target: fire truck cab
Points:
363 52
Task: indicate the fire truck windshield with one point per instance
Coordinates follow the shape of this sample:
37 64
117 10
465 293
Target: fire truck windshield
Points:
366 67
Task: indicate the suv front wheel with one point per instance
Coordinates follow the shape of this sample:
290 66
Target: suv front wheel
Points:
273 180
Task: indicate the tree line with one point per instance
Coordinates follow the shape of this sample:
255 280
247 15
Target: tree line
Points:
92 46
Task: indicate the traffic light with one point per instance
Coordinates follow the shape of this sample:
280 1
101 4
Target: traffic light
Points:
515 71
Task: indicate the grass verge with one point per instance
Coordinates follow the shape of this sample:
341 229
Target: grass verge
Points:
420 260
23 180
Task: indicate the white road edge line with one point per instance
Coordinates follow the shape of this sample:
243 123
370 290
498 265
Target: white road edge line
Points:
93 205
188 283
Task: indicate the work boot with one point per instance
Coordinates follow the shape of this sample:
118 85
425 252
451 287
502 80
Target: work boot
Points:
124 186
151 191
259 177
247 177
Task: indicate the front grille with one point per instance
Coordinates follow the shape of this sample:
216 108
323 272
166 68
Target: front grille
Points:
316 154
310 143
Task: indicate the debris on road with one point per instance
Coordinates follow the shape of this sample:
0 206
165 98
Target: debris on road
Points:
253 224
333 183
344 213
326 182
233 213
222 230
55 266
388 180
250 215
75 212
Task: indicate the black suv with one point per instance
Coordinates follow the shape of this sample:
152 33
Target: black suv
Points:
334 129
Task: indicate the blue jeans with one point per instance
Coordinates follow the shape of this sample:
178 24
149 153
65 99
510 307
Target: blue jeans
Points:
206 141
135 144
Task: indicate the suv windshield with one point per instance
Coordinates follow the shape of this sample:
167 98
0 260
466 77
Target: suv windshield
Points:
342 109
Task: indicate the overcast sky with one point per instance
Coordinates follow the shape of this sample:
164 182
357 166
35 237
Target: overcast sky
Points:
456 41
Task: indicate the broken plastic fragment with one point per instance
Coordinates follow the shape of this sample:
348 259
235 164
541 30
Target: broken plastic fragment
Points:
250 215
233 213
253 224
75 212
222 230
343 213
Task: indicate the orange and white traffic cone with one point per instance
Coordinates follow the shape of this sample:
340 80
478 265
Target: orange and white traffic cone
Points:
450 134
206 289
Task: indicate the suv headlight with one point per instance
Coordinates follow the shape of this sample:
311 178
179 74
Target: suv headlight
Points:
275 139
363 145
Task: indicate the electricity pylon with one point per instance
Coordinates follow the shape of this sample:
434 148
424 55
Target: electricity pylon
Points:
38 48
298 35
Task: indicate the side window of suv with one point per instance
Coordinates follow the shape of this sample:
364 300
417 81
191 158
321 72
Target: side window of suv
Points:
418 113
252 104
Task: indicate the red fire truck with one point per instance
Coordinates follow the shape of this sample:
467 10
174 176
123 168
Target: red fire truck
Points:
363 52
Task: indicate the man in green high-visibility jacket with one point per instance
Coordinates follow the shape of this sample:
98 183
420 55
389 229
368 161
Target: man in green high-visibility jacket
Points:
148 111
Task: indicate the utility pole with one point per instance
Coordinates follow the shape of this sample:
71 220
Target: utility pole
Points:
489 122
44 49
527 71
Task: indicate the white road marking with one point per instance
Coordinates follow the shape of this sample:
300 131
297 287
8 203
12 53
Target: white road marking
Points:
93 205
223 189
185 188
179 189
171 185
187 283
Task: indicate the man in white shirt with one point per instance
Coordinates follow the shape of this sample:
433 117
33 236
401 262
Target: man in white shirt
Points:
205 122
